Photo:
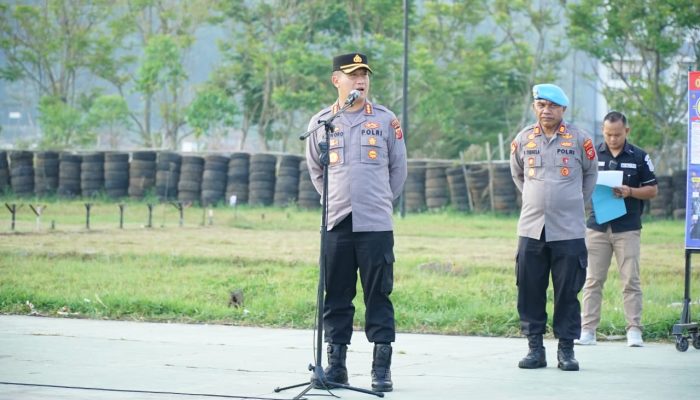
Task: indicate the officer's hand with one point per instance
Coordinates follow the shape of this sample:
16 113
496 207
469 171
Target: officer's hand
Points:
622 191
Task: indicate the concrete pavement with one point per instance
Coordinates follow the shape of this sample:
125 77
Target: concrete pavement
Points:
49 358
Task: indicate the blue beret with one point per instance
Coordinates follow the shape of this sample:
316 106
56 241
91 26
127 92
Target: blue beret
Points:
553 93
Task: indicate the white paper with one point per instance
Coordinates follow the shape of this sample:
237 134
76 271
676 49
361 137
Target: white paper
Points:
609 178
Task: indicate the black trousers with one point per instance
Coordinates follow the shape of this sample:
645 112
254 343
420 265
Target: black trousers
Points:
373 254
566 260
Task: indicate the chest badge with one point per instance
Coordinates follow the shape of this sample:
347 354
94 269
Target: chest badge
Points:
531 145
372 154
333 157
531 172
564 171
531 161
372 141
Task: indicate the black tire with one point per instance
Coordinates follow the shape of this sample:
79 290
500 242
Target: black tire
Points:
22 171
92 175
143 156
116 175
116 158
192 160
98 158
214 175
189 186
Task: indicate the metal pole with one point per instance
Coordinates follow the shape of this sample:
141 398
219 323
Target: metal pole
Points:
121 216
404 111
490 164
501 156
13 211
87 215
150 216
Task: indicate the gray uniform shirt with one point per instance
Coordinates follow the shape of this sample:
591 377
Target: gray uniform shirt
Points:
367 168
556 178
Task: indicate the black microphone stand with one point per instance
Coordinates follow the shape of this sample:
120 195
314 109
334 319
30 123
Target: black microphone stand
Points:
318 379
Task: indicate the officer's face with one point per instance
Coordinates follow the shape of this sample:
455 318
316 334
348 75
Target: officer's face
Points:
356 80
548 114
614 134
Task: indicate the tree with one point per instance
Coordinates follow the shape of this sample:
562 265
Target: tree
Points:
49 44
211 113
647 60
156 36
110 113
273 65
473 64
161 72
64 126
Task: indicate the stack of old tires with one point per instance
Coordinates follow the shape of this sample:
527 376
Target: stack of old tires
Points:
287 182
414 188
680 183
660 206
142 173
167 174
237 180
214 179
262 179
4 172
478 184
92 174
22 172
189 188
504 190
436 190
458 188
45 173
117 175
69 175
308 196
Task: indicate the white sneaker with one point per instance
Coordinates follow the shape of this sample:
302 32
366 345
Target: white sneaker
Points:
634 338
587 338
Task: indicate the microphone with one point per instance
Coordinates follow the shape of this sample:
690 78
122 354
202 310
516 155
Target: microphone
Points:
354 95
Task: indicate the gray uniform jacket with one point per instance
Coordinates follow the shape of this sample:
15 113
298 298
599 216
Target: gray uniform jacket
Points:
556 178
367 167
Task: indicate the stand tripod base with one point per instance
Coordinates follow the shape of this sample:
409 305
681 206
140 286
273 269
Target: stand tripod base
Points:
319 381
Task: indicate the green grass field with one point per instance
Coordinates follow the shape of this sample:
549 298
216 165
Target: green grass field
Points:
454 273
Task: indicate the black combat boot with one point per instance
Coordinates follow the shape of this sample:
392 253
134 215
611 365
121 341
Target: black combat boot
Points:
565 355
381 368
336 371
536 357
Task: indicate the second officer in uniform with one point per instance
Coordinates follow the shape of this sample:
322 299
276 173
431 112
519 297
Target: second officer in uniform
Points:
367 170
554 164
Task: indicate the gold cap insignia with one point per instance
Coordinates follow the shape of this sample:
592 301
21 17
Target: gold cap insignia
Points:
357 58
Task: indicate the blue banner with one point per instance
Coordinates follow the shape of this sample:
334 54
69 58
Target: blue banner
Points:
692 205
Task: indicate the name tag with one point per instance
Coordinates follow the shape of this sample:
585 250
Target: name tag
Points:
628 165
601 163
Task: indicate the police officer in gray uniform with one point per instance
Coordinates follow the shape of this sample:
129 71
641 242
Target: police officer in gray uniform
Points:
554 165
367 170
